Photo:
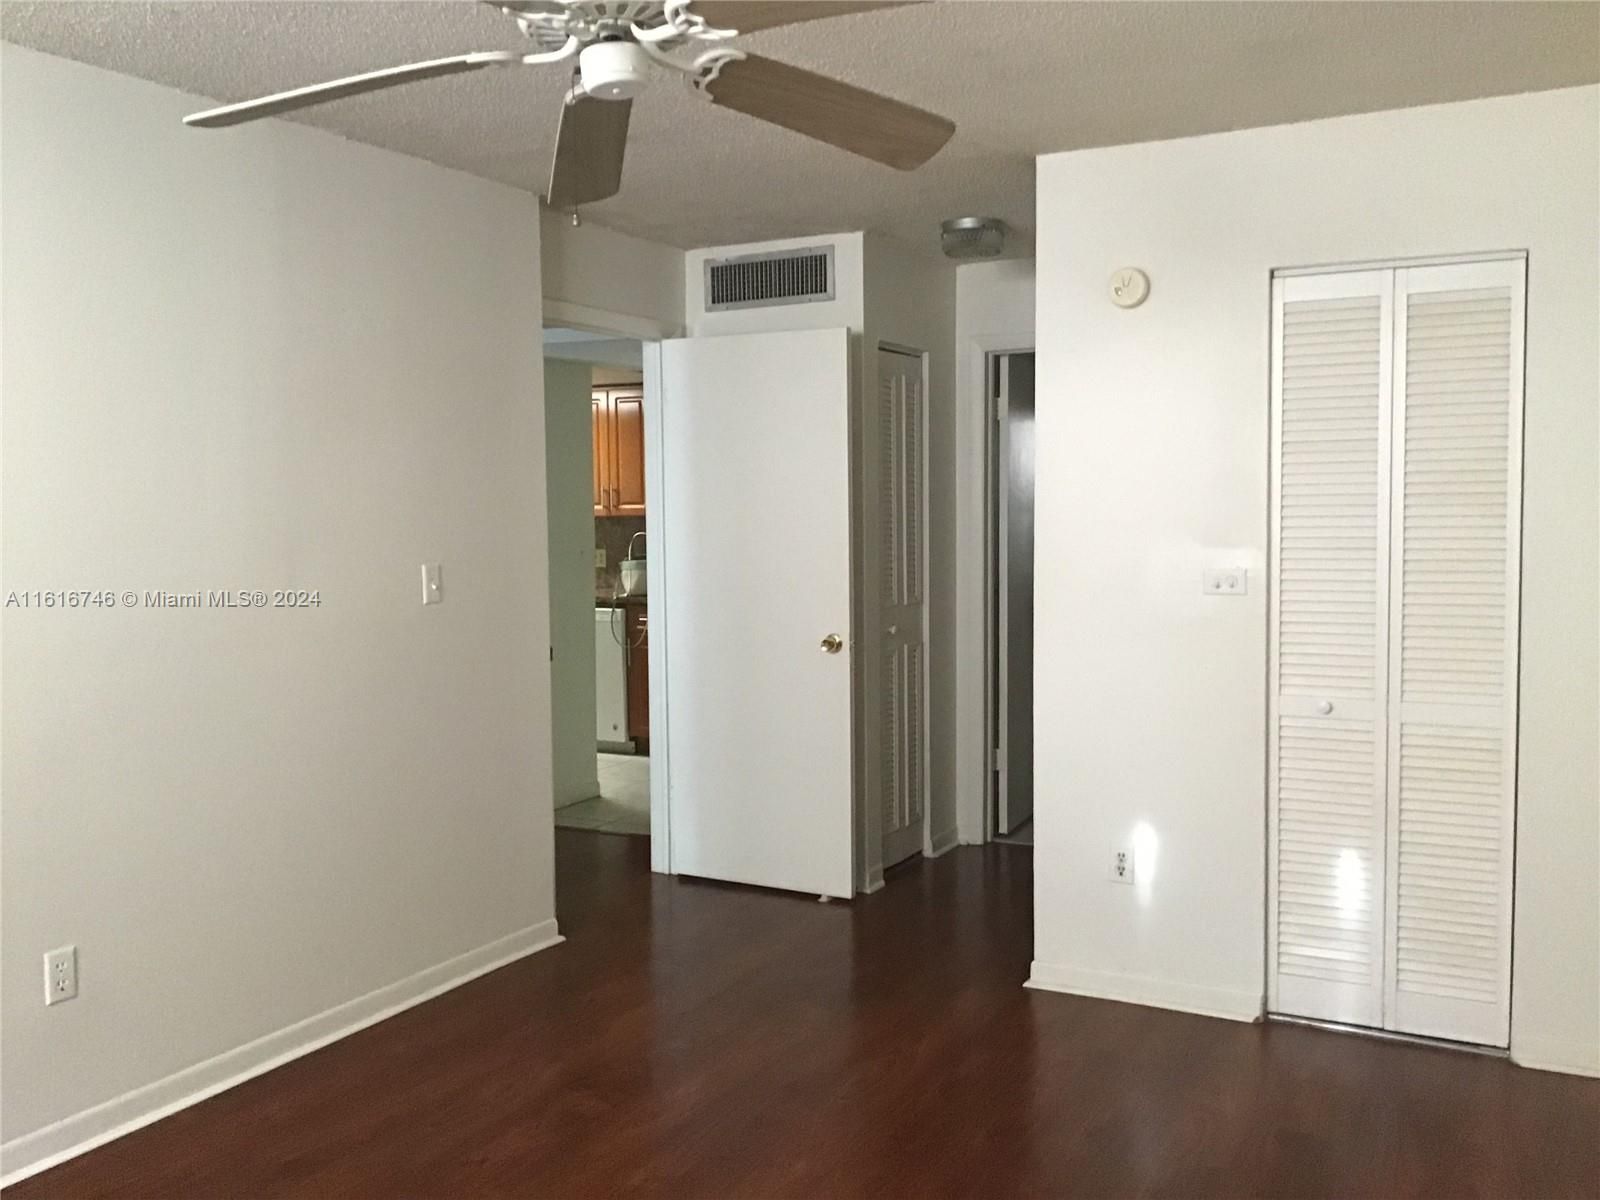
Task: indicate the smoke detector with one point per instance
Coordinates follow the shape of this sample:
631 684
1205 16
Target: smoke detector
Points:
972 237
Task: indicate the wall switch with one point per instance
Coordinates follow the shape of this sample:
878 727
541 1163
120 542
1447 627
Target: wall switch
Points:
599 558
61 975
1225 581
1122 865
432 584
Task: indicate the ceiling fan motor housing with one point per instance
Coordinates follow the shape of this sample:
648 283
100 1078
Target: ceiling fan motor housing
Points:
613 70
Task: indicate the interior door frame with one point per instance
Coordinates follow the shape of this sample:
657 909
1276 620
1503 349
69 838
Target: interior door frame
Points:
993 351
650 334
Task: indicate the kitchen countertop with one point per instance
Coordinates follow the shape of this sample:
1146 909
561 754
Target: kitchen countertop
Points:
606 601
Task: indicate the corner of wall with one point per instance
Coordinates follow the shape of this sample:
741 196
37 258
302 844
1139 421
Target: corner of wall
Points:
591 268
1552 1054
40 1149
1229 1004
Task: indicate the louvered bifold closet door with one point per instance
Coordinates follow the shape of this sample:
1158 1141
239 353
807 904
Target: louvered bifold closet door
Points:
1332 339
901 496
1453 669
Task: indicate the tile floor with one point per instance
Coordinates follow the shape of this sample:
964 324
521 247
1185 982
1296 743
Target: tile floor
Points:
623 805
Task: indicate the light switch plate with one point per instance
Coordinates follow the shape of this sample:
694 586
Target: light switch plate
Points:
432 584
599 558
1225 581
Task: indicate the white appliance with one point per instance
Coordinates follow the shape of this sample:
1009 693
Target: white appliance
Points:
632 569
610 679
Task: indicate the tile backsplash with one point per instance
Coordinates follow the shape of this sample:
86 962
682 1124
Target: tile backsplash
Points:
612 535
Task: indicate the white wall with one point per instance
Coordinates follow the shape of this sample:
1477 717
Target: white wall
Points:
994 312
265 358
620 352
591 272
1152 427
569 491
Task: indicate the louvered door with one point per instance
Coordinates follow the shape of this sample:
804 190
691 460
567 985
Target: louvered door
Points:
901 499
1396 509
1330 554
1456 522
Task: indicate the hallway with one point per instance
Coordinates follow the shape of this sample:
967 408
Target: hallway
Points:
700 1040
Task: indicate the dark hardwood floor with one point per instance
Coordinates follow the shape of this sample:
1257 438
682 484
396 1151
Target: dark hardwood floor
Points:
705 1041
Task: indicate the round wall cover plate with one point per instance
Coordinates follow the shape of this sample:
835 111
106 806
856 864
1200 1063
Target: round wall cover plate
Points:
1129 287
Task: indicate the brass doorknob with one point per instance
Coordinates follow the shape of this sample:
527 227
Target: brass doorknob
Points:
833 643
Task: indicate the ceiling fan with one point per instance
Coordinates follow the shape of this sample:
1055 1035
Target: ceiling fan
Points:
615 43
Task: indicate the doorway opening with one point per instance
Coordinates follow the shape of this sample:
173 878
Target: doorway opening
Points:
725 463
1009 388
594 398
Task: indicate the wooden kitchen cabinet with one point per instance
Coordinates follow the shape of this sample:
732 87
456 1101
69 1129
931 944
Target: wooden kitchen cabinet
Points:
602 442
618 452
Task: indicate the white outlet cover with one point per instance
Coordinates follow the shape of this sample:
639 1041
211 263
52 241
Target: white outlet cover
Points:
1225 581
432 584
60 975
1127 875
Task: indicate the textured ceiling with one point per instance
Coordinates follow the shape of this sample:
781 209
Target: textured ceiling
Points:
1019 78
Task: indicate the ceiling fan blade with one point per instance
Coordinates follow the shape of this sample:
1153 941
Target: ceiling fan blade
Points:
747 16
354 85
589 148
851 118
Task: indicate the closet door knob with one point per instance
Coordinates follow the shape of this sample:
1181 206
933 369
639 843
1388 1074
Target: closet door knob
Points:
1325 707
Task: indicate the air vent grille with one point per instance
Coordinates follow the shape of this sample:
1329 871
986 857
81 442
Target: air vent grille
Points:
780 277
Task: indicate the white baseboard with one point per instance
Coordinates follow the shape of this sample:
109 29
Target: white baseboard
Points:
1553 1054
33 1152
943 843
1157 993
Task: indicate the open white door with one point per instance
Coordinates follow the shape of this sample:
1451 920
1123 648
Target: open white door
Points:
755 519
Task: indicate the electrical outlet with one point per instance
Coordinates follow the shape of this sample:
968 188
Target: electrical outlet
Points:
61 975
1225 581
432 584
599 558
1122 865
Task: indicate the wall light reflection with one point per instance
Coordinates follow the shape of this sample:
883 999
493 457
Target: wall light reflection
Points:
1146 856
